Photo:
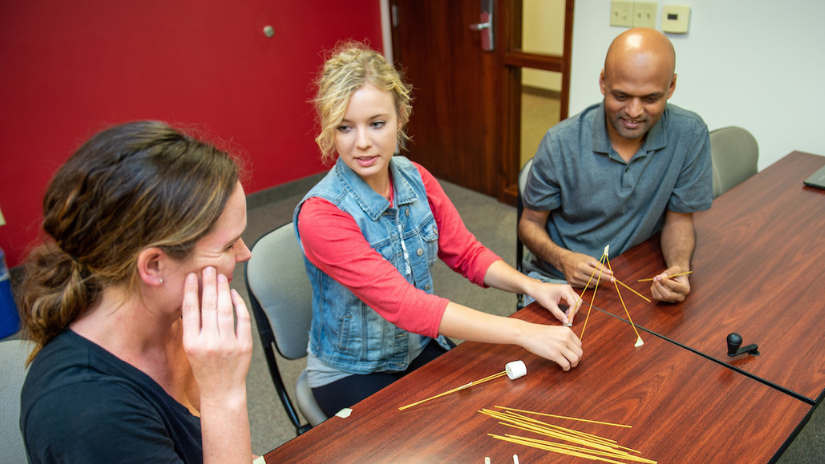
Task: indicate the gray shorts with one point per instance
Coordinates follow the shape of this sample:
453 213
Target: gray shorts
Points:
539 276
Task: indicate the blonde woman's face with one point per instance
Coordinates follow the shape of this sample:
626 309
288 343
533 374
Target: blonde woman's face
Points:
367 136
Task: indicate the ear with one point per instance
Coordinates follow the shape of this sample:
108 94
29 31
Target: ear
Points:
672 86
601 82
151 263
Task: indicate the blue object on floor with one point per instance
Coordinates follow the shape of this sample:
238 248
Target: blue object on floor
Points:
9 318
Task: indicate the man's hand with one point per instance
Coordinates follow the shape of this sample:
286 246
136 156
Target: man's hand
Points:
578 268
672 290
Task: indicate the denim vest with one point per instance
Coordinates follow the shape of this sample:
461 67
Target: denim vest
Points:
345 333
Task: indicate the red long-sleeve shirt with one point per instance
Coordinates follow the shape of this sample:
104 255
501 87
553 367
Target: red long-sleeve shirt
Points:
335 244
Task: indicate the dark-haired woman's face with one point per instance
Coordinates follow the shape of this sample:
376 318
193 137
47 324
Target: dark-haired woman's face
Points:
223 248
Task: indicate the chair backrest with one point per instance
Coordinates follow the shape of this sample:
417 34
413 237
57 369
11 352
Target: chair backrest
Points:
280 296
734 154
522 182
280 292
13 355
522 176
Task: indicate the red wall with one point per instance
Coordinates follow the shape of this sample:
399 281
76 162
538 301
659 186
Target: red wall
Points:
69 69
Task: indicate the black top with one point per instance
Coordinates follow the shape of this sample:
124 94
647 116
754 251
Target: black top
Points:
81 404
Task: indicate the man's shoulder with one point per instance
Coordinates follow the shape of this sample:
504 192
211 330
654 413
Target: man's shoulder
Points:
572 127
681 117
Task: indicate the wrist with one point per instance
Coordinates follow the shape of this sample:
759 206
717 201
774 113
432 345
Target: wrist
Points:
516 332
530 286
682 267
560 257
224 400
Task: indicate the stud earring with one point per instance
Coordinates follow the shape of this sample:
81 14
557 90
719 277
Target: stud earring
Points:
161 280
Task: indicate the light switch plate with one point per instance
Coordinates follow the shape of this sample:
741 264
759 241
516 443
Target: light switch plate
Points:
644 14
675 19
621 13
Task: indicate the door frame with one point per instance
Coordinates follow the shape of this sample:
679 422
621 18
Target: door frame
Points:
514 60
509 31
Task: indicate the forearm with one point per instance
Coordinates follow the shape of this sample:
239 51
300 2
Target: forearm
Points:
225 431
502 276
558 344
535 237
469 324
678 240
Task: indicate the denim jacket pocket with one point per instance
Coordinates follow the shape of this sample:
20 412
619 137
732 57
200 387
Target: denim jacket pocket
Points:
429 234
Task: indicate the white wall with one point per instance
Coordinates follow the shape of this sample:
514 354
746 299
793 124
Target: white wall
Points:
758 64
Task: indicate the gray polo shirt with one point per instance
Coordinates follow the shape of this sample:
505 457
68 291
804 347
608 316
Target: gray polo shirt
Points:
595 198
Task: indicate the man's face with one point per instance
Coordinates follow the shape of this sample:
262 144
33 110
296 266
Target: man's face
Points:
634 99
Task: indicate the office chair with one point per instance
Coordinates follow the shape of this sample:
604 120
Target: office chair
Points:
734 154
281 298
13 355
522 182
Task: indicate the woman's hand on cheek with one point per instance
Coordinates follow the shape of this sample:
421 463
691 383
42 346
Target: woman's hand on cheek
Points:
219 350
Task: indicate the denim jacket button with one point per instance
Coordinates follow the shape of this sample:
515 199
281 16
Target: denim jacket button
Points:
427 287
420 251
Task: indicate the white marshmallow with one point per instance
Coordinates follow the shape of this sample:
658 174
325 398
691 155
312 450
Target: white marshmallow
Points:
515 369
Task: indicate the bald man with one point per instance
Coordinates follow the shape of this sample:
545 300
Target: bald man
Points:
619 172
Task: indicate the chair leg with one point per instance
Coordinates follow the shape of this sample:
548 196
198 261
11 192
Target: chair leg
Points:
275 373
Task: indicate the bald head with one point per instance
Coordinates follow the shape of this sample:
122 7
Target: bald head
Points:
637 80
641 50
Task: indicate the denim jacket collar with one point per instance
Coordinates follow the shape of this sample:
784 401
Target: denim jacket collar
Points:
368 199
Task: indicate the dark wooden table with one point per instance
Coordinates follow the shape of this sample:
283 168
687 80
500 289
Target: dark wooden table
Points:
683 408
757 271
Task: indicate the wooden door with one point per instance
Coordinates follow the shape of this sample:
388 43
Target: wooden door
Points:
457 109
466 109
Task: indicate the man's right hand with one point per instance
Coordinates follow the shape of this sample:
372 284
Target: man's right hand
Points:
578 269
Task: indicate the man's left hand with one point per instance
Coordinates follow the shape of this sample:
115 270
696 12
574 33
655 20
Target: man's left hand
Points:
671 290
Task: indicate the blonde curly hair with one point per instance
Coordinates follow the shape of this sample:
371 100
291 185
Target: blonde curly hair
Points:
352 65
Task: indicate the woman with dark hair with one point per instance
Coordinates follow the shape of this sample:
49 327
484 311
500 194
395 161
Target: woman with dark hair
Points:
138 356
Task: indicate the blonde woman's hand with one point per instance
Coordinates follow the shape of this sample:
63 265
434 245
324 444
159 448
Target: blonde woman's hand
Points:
558 344
551 295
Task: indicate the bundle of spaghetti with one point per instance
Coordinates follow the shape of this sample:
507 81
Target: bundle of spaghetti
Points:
584 445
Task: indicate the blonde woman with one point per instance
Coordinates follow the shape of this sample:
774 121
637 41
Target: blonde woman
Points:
372 229
138 358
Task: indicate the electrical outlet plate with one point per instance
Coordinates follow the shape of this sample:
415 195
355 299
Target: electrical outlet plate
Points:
621 13
675 19
644 14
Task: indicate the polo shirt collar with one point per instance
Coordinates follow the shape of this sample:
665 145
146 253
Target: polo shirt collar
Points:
601 142
656 138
